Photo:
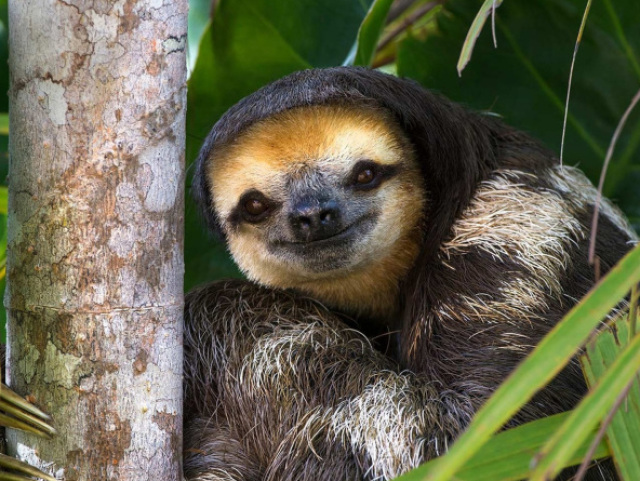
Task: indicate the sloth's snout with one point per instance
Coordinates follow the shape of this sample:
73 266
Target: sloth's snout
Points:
313 220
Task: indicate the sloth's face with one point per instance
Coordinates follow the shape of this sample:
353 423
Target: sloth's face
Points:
318 193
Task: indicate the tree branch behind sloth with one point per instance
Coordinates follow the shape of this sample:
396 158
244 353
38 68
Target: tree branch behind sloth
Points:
359 203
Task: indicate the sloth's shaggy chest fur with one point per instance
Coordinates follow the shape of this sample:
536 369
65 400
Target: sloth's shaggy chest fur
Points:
493 236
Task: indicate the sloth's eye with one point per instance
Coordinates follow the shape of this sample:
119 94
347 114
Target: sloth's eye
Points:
365 176
254 206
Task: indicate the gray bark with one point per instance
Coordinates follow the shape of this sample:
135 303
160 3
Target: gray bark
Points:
95 264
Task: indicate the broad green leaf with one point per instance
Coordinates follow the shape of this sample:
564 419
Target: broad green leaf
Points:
543 364
623 434
525 78
586 416
507 456
487 9
369 33
249 44
4 124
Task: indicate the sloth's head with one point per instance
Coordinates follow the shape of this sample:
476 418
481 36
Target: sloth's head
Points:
334 181
317 194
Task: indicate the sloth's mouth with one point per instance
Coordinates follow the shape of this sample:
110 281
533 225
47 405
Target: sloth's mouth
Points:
328 255
346 235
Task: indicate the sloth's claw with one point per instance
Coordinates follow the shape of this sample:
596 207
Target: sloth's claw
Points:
12 469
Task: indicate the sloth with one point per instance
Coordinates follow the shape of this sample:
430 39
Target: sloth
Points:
403 254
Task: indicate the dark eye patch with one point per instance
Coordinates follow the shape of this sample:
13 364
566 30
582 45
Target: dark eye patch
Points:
253 207
367 174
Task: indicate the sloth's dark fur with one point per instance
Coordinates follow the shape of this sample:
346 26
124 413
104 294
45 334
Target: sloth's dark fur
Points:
279 387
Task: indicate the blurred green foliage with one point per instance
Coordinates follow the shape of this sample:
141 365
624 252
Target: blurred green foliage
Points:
525 79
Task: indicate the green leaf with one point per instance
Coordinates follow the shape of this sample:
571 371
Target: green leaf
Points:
623 434
586 416
488 8
525 78
249 44
4 200
369 33
544 363
4 124
507 456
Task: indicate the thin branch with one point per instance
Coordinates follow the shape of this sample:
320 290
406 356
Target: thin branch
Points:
409 20
386 60
493 24
573 62
398 8
603 174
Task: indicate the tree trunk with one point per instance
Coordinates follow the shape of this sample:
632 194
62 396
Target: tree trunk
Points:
95 263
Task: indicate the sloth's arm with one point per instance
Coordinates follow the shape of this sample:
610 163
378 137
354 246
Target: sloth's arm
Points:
278 388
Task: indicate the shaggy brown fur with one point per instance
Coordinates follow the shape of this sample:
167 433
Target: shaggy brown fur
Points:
279 387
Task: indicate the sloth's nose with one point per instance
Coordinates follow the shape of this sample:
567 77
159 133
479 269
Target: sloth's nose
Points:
315 220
